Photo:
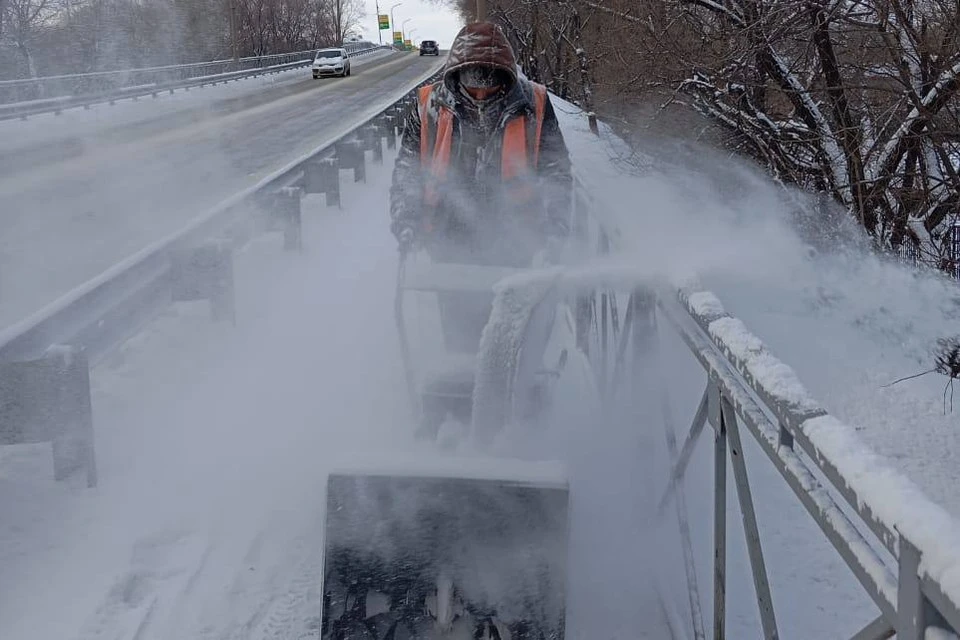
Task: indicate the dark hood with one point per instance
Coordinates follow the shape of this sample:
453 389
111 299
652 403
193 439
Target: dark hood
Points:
481 43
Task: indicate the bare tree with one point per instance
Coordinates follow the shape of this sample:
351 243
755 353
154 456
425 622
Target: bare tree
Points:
344 16
25 19
63 36
849 97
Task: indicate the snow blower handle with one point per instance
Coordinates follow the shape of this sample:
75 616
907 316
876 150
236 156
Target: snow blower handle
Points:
412 395
406 238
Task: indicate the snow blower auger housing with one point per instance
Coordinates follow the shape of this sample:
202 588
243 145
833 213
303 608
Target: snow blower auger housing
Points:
445 547
478 358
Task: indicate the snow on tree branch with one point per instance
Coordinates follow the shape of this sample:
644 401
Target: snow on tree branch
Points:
853 99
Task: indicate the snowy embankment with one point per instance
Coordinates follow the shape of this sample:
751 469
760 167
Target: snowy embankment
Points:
845 321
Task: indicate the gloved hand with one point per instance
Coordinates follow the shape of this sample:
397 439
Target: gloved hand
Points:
406 238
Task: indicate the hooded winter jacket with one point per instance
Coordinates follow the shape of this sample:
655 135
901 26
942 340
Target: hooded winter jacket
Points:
474 204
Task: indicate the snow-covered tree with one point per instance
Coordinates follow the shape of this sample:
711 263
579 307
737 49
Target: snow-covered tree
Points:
856 99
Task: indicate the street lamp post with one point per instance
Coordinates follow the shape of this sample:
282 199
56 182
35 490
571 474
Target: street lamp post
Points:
410 34
379 30
393 23
403 29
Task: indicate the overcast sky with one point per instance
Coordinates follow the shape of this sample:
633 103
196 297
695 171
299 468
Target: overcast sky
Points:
431 21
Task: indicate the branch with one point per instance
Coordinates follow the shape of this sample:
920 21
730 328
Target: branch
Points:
613 12
915 122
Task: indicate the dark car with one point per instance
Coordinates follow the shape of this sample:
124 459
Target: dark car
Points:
429 47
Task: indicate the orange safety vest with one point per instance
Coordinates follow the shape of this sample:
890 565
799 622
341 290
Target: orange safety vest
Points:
435 146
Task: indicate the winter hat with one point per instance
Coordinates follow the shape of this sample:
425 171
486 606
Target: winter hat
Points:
480 44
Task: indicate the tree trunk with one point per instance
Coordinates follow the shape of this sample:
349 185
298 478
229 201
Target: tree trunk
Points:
586 85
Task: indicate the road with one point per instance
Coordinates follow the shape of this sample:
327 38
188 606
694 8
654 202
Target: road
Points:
66 221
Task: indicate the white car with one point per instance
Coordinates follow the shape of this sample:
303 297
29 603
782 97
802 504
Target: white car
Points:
331 62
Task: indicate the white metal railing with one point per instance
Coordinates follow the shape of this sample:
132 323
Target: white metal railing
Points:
901 547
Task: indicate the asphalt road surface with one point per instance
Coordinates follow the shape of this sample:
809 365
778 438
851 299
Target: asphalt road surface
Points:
72 207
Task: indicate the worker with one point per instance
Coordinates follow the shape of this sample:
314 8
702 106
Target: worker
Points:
483 173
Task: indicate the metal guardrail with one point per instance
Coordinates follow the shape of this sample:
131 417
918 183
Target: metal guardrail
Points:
44 379
901 547
20 98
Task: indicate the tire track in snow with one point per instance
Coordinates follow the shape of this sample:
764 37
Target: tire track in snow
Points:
283 595
163 566
297 611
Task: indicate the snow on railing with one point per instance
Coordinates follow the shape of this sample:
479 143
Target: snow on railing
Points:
909 561
920 587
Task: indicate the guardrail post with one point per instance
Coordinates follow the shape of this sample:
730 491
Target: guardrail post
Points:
754 548
48 400
351 156
396 122
323 176
205 272
714 412
285 210
372 141
915 613
389 124
643 328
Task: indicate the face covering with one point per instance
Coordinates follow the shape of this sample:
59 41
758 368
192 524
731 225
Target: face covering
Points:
486 112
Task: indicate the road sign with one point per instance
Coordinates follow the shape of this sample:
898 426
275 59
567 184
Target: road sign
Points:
384 21
398 38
